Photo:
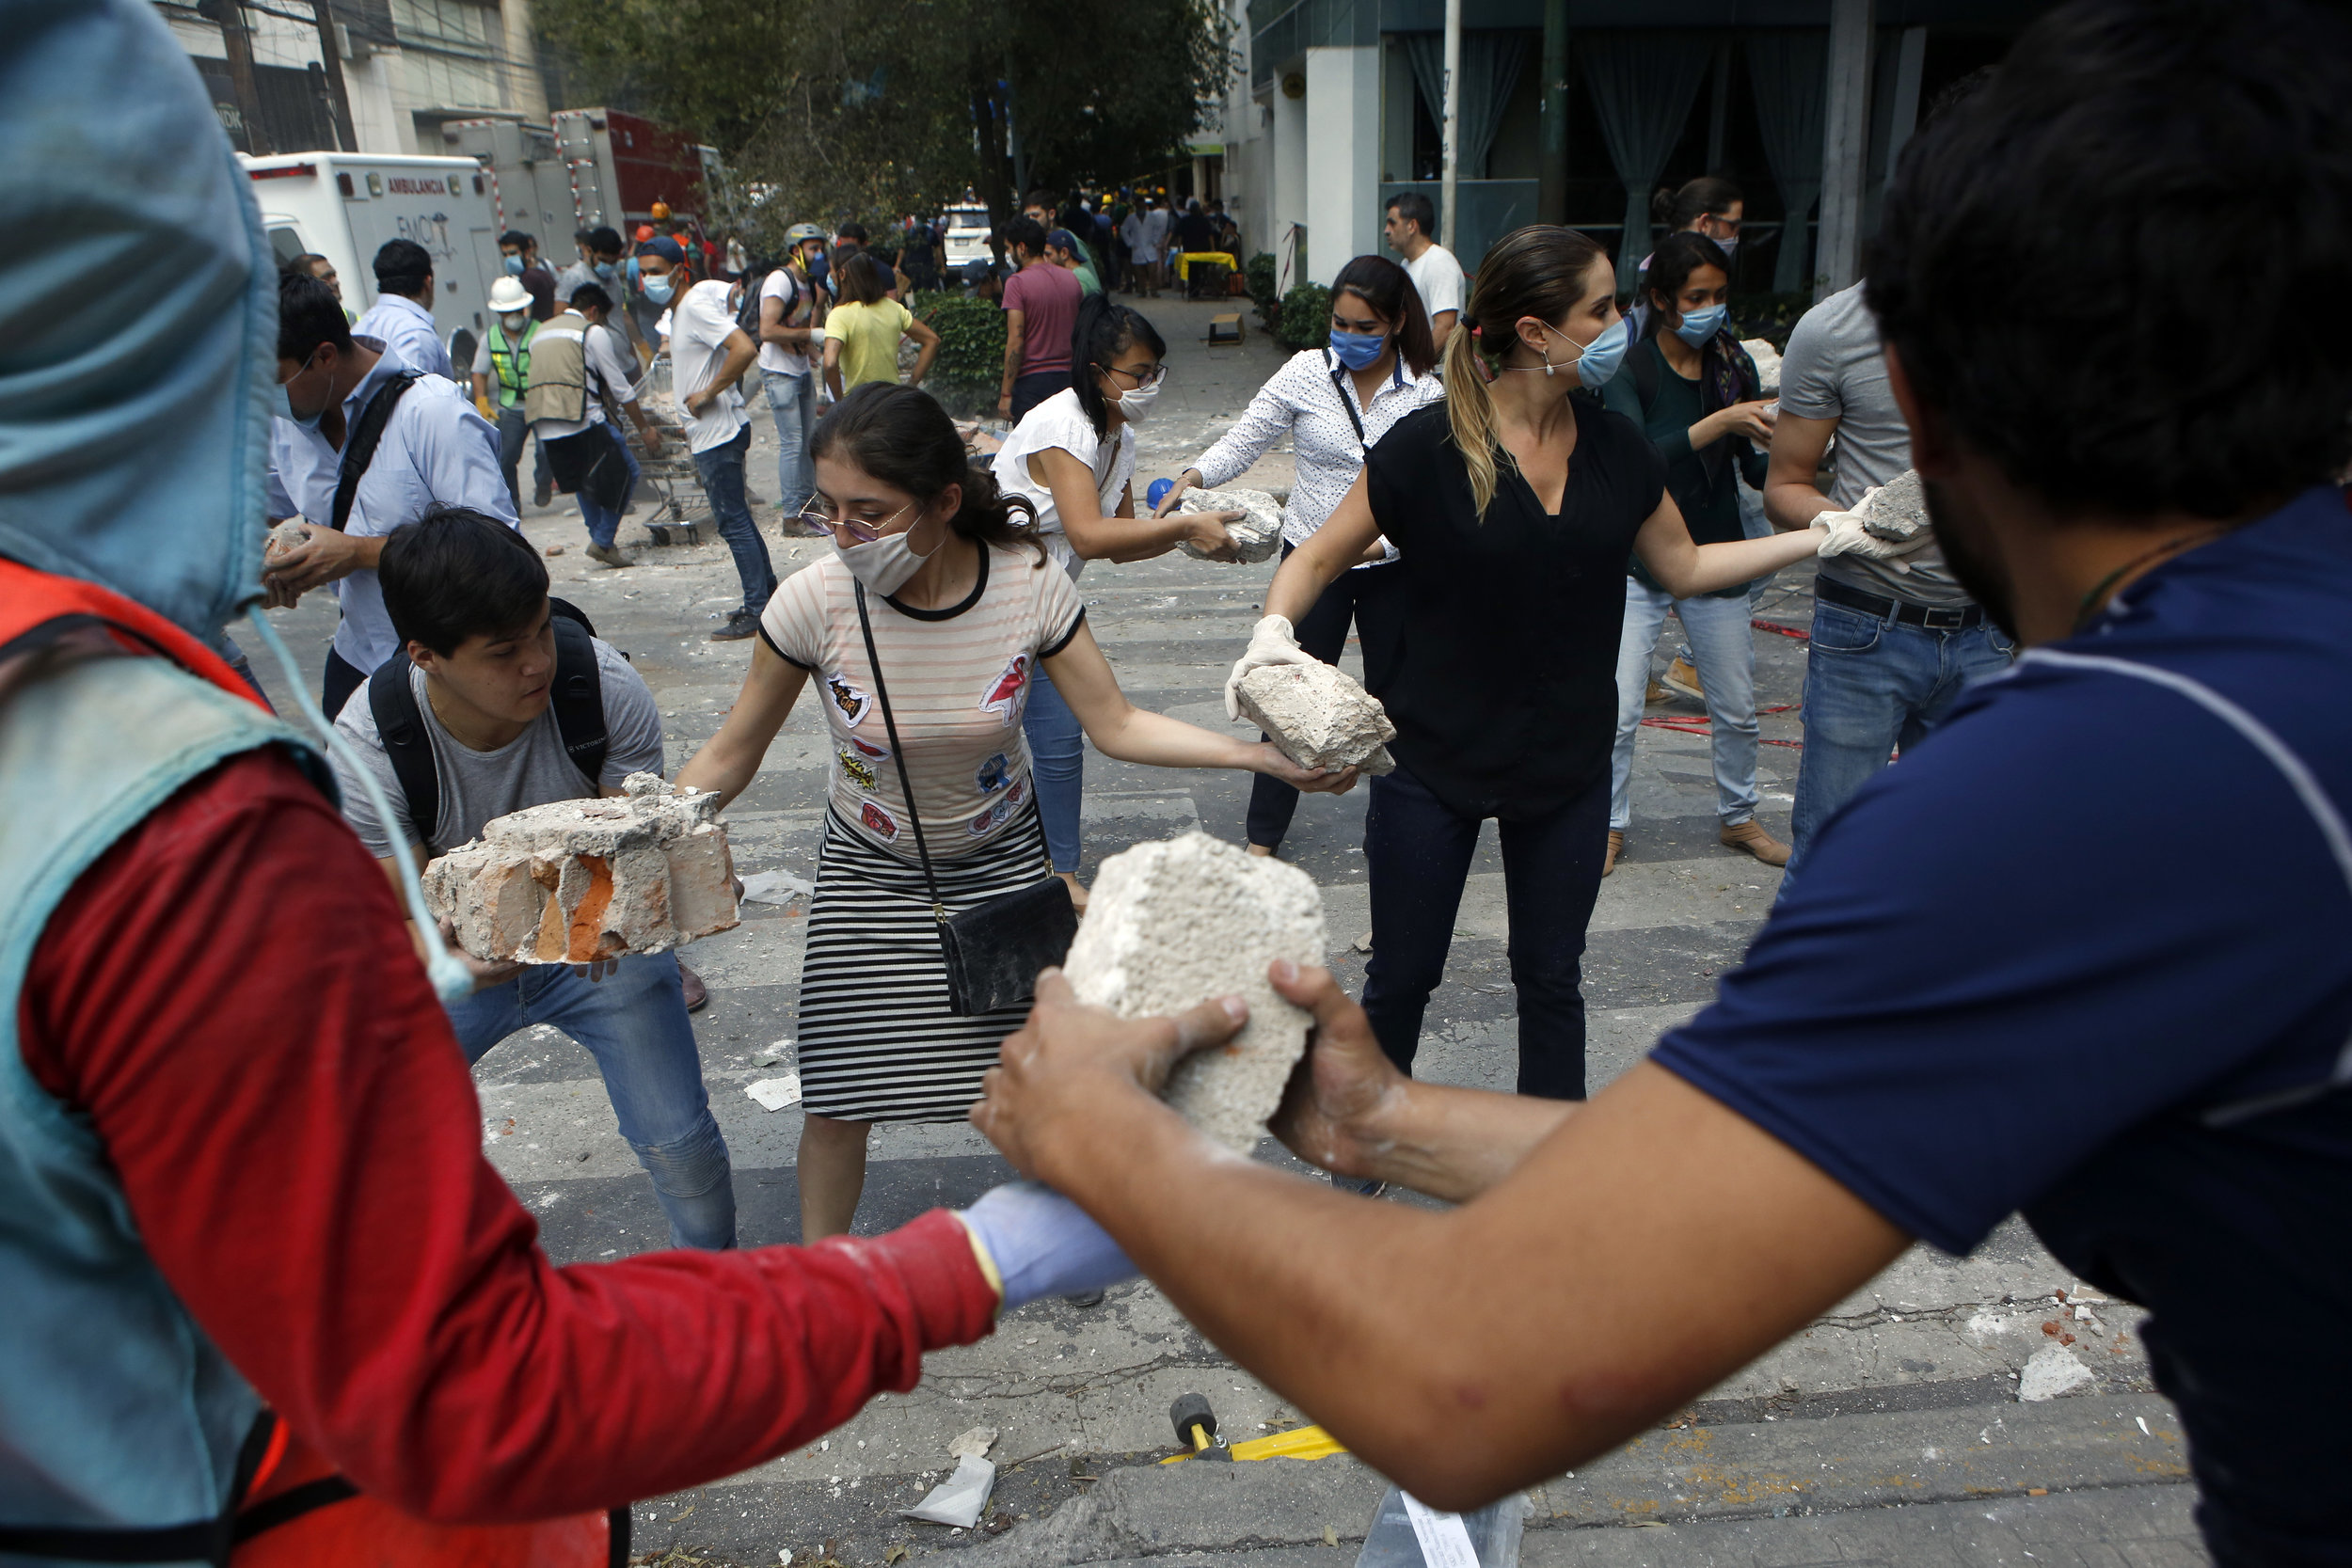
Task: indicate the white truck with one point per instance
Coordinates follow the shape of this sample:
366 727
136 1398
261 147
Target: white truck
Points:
533 189
344 205
967 236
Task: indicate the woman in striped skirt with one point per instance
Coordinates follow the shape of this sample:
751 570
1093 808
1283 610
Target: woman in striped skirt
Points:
964 618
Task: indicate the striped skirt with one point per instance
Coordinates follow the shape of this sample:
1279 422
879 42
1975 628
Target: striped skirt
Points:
877 1042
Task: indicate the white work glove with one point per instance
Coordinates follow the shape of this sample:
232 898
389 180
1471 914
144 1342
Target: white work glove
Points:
1842 534
1042 1244
1273 643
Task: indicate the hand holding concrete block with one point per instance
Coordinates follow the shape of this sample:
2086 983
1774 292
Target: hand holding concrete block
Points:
1898 510
1255 537
1175 923
576 881
1318 716
287 536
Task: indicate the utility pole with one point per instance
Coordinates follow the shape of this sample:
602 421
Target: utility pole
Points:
1450 178
331 60
1845 150
1551 188
239 48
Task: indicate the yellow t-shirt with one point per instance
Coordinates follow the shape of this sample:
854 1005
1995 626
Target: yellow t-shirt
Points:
870 336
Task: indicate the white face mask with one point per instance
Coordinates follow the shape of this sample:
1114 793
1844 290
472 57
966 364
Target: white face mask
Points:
883 564
1136 401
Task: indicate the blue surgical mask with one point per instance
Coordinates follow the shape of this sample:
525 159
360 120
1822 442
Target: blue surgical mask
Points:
281 403
605 270
514 266
1357 350
1699 325
1602 355
659 289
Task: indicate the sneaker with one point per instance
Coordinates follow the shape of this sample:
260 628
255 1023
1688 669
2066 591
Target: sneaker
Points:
1656 694
610 555
1682 679
1616 847
742 623
542 493
1085 1299
1750 838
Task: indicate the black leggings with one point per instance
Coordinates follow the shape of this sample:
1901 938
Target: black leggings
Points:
1323 632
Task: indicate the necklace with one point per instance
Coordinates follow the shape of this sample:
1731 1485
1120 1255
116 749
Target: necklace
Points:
2091 602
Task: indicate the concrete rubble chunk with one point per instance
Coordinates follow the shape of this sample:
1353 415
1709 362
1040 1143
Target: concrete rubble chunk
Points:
1767 359
1257 536
1174 924
573 882
289 535
2051 1372
1319 715
1897 510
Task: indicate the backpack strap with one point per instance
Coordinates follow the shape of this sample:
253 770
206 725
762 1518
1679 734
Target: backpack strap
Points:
577 694
392 702
359 449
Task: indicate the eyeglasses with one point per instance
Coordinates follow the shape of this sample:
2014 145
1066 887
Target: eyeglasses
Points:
857 528
1152 377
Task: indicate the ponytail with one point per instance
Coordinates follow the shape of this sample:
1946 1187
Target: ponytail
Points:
1536 271
1469 409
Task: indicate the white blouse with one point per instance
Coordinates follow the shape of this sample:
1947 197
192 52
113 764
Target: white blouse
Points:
1059 422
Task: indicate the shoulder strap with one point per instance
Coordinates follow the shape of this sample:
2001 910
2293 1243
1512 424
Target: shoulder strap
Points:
360 447
392 701
898 755
577 694
1348 405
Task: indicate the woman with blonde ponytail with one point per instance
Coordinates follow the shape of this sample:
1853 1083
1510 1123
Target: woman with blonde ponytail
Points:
1514 506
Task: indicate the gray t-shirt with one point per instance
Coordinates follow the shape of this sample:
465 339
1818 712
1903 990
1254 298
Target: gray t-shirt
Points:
1834 370
529 770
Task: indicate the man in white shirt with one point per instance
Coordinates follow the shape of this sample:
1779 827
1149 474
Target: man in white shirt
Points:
790 309
402 316
1431 266
434 451
1156 224
708 355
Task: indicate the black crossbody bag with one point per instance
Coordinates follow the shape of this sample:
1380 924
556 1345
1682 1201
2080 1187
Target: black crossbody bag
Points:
995 949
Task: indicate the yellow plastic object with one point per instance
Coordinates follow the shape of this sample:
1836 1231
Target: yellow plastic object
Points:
1303 1443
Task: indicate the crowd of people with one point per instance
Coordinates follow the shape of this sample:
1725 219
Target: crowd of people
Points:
261 1276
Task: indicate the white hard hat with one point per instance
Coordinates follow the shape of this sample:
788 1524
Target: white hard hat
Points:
508 296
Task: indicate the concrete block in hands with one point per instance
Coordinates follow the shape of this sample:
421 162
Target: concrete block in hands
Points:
1174 924
1319 715
292 534
573 882
1898 510
1767 359
1255 537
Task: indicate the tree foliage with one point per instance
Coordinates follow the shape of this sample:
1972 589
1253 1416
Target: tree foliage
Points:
888 106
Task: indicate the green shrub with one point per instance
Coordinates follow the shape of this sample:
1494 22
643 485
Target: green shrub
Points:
1305 318
970 365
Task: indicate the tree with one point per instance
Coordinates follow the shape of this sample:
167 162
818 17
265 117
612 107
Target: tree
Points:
890 106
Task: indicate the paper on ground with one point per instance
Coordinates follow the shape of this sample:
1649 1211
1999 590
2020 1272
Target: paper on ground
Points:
775 887
1445 1541
958 1499
776 1093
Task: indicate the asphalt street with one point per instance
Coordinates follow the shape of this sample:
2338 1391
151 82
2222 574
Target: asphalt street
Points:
1892 1430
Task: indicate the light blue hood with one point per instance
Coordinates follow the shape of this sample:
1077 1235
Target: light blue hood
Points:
139 316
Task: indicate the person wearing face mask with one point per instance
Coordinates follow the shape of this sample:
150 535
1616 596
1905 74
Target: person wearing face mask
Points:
1333 403
1709 206
501 368
967 616
430 449
1514 506
519 254
1070 459
792 342
1691 388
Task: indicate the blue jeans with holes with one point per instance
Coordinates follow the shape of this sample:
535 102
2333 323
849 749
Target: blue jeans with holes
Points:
634 1022
794 401
1717 630
720 471
604 525
1058 755
1871 685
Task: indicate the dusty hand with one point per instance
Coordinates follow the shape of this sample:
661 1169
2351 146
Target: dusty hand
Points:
1176 489
1208 534
328 556
1341 1081
1272 642
1751 419
486 971
697 402
653 442
1004 405
1274 764
1060 1065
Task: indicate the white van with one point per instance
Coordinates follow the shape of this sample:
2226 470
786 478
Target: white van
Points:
344 205
967 237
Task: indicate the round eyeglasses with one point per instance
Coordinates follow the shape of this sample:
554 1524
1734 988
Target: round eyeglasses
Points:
856 527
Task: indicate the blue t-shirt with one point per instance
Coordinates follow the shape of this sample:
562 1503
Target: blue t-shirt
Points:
2086 953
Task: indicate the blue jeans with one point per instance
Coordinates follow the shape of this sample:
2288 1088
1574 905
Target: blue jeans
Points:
605 526
634 1022
1872 684
1418 851
1058 754
1717 630
794 401
514 425
720 471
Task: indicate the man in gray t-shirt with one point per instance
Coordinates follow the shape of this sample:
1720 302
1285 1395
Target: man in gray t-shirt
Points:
468 599
1893 641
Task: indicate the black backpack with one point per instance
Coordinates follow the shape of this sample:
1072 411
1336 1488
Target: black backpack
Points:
578 697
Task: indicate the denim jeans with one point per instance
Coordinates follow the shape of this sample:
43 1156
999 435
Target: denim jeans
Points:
794 401
605 526
1871 685
514 425
1323 632
634 1022
1419 851
720 471
1057 754
1717 630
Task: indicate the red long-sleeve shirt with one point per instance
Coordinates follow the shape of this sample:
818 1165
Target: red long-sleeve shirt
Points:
229 995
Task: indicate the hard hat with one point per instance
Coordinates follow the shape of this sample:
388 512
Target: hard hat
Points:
645 233
508 296
800 231
660 211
